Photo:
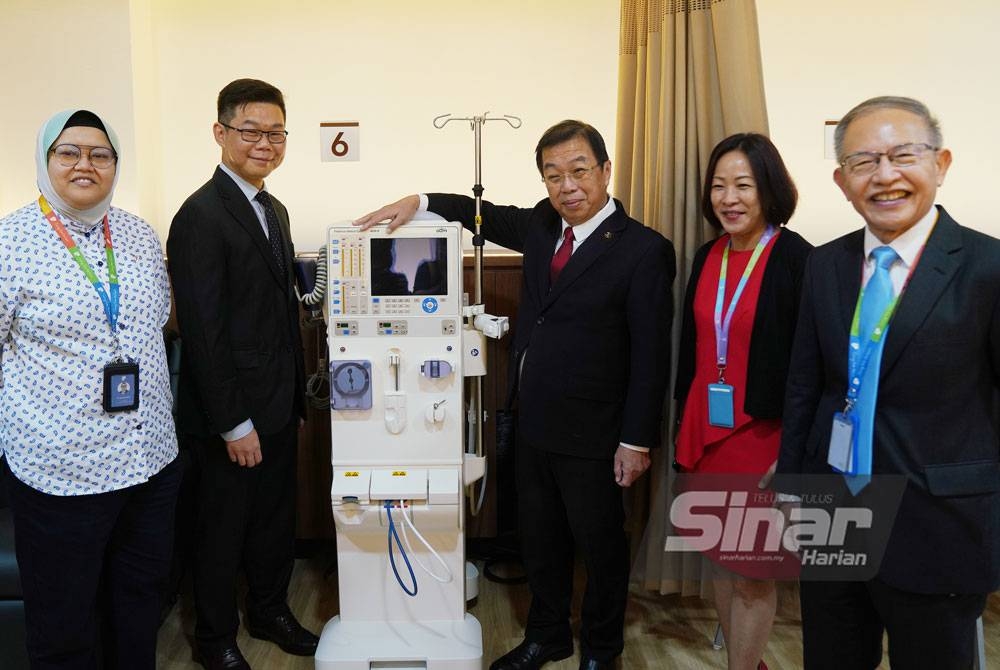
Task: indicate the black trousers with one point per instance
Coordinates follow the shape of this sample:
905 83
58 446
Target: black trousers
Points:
246 519
567 503
81 555
843 622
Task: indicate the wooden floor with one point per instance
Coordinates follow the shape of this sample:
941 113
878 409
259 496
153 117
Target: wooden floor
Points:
661 631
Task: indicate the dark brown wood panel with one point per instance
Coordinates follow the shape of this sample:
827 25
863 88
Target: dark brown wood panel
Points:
501 289
315 517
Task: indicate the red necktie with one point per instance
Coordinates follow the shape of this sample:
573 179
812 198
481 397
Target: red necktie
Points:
561 256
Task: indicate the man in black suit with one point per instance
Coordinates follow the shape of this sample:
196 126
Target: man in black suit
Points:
592 349
933 417
240 398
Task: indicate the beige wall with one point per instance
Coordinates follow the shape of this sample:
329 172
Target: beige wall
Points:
822 58
38 78
391 64
394 65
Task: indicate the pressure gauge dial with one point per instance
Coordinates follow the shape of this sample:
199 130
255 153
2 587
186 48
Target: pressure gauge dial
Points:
351 378
351 384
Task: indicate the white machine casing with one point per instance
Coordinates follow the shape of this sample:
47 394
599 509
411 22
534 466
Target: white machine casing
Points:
396 378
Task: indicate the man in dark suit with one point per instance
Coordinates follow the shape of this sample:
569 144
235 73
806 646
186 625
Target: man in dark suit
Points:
592 348
240 398
932 414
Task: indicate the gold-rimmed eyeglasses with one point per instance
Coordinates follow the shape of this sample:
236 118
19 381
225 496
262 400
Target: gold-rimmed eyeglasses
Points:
68 155
555 179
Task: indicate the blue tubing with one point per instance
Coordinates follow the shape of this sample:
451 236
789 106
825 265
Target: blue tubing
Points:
392 560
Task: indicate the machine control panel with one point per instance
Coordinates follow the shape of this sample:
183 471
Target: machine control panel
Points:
398 275
396 334
345 327
398 327
349 287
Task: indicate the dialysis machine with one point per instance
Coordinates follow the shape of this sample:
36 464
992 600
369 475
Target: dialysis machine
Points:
399 349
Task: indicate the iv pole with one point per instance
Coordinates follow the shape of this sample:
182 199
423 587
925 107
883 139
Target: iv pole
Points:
477 415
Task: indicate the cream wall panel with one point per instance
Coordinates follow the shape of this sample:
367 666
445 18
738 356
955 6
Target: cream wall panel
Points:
822 58
154 67
57 54
393 66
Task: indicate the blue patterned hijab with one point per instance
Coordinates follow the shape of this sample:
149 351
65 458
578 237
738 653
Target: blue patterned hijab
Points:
47 136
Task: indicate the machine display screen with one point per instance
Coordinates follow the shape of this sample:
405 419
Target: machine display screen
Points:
403 266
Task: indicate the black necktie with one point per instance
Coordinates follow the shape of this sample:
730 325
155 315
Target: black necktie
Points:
273 230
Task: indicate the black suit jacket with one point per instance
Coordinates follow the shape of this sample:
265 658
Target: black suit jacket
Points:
237 314
937 415
596 345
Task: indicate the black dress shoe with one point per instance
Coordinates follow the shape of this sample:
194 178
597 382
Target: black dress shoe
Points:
286 632
222 657
531 656
593 664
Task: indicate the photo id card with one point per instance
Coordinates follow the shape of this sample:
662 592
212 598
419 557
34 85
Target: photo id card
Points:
720 405
121 386
841 456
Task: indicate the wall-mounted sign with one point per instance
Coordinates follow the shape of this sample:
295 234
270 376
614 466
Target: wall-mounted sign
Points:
340 141
829 151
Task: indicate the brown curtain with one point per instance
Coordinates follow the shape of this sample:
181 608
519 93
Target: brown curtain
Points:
689 74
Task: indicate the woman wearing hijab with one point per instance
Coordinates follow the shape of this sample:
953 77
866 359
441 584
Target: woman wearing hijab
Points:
85 425
737 325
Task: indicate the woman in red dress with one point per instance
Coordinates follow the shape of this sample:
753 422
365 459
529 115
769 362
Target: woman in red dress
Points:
738 321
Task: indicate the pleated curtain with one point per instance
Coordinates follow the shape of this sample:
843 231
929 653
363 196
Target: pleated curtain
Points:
689 75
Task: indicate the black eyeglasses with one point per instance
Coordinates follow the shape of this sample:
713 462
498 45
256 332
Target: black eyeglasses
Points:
253 136
69 155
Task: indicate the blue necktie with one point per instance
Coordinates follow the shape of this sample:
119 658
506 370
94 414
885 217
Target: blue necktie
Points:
878 295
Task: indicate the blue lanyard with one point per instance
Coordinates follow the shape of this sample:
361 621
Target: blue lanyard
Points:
722 324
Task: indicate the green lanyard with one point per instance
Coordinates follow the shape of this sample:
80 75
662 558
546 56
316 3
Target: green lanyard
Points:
110 302
859 353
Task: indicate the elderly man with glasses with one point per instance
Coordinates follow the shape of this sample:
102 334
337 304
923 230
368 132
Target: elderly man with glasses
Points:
591 366
895 371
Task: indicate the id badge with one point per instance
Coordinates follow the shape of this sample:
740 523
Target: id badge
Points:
720 405
841 455
121 386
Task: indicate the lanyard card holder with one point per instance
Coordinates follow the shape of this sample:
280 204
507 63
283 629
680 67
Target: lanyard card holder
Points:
720 405
841 454
121 386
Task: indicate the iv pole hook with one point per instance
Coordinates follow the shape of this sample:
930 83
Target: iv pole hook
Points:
476 125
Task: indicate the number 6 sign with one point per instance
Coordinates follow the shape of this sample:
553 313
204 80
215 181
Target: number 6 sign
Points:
340 141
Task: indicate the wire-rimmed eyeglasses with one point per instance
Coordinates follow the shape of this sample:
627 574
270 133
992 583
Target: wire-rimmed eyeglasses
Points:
865 163
254 135
579 174
69 155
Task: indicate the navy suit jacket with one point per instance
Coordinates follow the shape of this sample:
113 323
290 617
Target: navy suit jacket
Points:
937 420
593 350
237 313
